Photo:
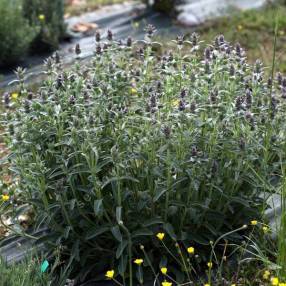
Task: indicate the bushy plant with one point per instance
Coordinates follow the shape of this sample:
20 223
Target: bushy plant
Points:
187 143
49 16
15 32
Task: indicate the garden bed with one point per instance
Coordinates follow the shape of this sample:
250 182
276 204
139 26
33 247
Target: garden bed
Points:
136 162
135 156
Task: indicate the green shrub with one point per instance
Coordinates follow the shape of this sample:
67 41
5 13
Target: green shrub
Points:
111 152
15 32
49 16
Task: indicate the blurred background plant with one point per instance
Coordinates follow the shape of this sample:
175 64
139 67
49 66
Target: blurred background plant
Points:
49 16
16 32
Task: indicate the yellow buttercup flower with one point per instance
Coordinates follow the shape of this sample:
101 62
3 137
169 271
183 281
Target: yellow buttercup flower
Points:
207 284
110 274
166 283
254 222
138 261
210 264
160 235
42 17
5 198
14 95
175 102
191 250
265 229
275 281
164 270
266 274
239 27
133 90
282 284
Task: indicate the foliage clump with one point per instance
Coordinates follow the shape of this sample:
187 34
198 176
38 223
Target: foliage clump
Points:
49 17
186 142
15 32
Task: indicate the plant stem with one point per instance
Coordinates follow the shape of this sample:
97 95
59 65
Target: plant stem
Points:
129 252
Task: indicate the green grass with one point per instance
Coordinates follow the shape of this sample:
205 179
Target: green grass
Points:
254 29
282 231
23 274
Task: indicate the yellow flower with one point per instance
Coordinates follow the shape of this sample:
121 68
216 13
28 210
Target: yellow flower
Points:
265 229
160 235
138 261
233 285
42 17
207 284
210 264
5 198
164 270
254 222
282 284
239 27
166 283
175 102
274 281
14 95
109 274
266 274
191 250
133 90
